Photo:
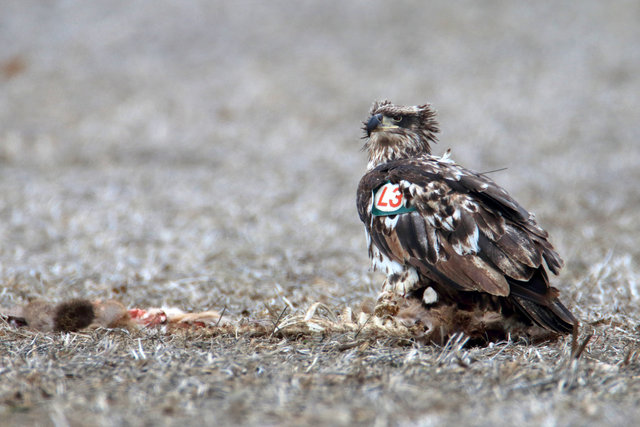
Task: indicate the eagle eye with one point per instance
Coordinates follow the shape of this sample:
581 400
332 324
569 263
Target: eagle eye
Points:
396 119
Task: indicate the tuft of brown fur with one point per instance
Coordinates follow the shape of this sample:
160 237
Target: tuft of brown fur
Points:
38 315
481 326
111 314
71 316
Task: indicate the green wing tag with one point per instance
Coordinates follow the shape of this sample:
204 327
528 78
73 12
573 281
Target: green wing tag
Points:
389 200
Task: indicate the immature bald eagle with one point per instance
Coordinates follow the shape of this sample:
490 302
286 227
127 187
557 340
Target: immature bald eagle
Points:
448 235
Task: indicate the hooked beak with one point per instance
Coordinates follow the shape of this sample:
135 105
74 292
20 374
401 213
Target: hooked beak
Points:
378 123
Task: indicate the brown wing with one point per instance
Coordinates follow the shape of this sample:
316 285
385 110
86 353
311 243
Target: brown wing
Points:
467 231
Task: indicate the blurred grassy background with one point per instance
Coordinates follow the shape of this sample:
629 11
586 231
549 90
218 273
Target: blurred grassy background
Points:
206 154
153 142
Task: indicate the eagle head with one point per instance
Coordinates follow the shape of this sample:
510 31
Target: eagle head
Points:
395 131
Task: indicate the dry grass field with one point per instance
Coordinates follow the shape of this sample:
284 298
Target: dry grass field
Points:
205 155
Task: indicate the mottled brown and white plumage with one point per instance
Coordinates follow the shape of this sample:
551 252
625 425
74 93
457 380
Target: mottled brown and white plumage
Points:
459 238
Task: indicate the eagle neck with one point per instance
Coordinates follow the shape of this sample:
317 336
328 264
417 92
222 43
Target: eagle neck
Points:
384 155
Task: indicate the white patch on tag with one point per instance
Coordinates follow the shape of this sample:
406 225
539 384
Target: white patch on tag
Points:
388 198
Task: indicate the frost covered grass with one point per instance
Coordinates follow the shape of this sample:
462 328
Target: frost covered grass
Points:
206 156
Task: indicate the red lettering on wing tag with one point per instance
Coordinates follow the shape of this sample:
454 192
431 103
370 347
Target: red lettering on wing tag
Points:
388 198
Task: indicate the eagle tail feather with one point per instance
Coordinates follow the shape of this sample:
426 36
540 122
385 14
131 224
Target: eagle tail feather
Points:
555 316
539 302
